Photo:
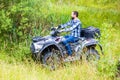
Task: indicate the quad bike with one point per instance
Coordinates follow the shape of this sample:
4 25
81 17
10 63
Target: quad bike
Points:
51 52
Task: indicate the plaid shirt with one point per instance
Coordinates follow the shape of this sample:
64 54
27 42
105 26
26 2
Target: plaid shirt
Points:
75 27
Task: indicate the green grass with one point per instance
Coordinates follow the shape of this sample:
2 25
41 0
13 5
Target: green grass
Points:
74 71
15 58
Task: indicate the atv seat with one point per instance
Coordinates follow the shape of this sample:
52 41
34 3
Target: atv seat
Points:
76 40
81 38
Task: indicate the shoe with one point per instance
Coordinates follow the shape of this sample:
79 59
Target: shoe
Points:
69 58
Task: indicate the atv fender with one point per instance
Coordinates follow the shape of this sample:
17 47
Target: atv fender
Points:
101 48
90 43
94 43
48 45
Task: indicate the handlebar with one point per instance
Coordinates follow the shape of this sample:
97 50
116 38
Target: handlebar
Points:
54 31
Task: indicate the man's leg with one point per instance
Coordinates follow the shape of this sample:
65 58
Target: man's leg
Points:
67 45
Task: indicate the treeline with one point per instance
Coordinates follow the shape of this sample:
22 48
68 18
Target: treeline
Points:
18 18
21 19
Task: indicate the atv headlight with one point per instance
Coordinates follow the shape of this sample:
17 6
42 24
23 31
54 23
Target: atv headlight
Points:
38 47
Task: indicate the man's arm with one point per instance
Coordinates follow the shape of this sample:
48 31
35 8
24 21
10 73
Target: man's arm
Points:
71 28
66 24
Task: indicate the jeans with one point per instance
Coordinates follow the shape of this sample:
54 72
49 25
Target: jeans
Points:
69 39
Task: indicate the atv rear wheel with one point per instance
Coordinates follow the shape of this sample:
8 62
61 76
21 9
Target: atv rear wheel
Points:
92 54
52 59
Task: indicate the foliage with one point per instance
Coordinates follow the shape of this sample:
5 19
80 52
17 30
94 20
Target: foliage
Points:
20 20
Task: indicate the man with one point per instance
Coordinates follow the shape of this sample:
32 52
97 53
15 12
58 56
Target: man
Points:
74 28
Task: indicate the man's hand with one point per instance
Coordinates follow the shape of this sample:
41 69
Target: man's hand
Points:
59 26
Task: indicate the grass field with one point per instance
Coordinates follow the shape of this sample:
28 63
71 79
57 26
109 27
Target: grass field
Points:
16 62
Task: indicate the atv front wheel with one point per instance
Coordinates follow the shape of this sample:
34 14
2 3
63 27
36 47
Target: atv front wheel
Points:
52 59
